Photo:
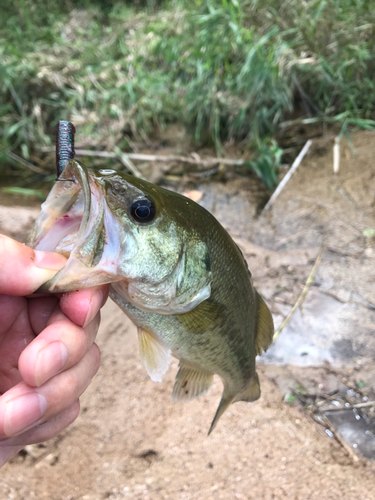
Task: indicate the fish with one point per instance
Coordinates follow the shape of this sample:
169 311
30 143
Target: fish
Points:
172 269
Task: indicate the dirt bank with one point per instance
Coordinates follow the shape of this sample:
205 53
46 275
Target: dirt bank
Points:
131 441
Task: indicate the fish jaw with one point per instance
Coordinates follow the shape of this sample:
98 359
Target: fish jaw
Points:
75 221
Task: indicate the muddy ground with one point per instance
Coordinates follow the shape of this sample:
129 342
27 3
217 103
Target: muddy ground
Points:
131 441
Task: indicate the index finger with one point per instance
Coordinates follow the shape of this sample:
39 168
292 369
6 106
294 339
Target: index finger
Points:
23 270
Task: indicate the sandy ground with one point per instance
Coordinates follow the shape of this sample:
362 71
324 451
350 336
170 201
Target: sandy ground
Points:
131 441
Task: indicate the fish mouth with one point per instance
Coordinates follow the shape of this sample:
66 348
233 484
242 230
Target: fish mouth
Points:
75 221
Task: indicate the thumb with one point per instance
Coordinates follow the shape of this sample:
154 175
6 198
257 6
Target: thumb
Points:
22 269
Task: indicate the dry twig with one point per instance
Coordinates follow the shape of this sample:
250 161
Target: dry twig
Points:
124 158
303 294
367 404
336 155
206 162
327 397
24 162
291 171
345 381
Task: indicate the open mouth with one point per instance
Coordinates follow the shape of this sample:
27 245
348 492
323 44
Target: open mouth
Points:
59 222
76 222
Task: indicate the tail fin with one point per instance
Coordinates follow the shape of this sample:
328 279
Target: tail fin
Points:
251 393
224 403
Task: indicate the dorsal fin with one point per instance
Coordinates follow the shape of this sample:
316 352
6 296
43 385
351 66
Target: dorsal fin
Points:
245 262
265 328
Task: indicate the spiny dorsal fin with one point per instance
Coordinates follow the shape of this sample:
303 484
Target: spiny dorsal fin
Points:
265 328
205 316
244 261
190 383
155 357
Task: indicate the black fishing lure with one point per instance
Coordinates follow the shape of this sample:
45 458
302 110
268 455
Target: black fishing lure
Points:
64 145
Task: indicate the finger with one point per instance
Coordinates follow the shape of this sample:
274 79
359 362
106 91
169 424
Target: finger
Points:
46 430
8 452
61 345
40 311
23 407
82 306
43 432
23 270
15 335
11 308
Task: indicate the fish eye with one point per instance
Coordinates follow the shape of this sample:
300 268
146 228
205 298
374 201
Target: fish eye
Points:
119 188
142 210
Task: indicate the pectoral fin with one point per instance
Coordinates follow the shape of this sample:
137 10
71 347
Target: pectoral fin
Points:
205 316
155 357
190 383
265 328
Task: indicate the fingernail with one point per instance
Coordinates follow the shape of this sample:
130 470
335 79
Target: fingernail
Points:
51 359
22 412
95 305
49 260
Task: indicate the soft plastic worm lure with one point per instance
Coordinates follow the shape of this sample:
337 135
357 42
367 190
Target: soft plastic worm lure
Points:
64 145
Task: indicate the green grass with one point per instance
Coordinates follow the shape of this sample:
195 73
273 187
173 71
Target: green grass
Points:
226 70
24 192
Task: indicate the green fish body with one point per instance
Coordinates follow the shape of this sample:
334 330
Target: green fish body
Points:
174 271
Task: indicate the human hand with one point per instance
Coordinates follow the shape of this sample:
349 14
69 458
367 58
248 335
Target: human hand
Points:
47 352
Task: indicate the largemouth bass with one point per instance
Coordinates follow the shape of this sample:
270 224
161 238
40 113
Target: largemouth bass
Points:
172 268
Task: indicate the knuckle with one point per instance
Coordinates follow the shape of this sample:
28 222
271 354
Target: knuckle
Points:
73 411
96 357
91 330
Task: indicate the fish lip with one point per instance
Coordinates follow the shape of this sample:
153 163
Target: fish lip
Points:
78 175
81 174
76 179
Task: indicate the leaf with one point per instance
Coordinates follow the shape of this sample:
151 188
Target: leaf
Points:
361 384
299 388
369 232
24 192
289 398
267 163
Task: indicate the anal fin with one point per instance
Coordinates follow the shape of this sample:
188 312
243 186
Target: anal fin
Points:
154 355
265 328
191 383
